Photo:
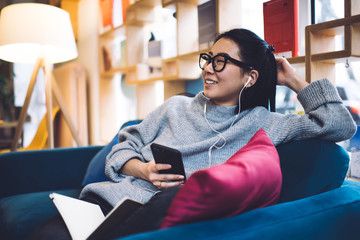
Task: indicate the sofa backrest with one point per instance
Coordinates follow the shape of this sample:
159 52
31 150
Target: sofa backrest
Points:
311 167
43 170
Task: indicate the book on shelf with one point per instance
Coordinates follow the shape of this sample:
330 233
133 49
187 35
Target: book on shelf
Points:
114 54
113 13
85 220
106 8
119 12
122 54
207 24
155 58
106 58
281 26
169 40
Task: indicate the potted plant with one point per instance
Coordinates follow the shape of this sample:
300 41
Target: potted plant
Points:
7 107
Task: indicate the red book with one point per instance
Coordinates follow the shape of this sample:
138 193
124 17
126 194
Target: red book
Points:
281 26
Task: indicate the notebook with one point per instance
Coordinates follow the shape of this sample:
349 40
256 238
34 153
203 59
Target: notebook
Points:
86 220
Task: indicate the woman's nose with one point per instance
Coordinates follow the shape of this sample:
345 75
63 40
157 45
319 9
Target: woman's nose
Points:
209 68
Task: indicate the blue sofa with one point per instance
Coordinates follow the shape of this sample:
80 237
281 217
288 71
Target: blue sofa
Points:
315 201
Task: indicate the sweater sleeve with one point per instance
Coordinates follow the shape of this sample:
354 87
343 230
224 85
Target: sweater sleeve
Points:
325 117
134 141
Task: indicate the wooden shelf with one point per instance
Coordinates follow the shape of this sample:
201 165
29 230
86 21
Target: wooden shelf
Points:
179 78
320 52
173 67
330 56
188 55
114 71
145 81
146 3
141 12
166 3
296 60
111 33
328 26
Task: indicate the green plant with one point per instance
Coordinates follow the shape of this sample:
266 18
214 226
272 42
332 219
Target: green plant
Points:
7 97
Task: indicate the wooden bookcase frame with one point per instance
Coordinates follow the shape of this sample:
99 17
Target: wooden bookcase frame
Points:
320 53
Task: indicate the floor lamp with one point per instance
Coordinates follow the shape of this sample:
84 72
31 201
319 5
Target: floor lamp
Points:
42 35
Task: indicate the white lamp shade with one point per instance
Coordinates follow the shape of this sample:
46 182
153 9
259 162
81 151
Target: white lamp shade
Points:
32 30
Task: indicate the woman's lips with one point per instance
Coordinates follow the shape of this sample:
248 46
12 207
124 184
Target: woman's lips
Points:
211 82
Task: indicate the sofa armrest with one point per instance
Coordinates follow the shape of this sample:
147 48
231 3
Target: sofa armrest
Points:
43 170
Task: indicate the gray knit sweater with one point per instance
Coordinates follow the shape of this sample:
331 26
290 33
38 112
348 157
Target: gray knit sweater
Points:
179 123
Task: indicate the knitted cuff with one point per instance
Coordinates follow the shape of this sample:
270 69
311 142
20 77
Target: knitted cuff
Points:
317 94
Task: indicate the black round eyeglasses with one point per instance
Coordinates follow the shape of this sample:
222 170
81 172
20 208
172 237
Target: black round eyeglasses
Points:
219 61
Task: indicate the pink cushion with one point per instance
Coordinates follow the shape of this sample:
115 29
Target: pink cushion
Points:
250 179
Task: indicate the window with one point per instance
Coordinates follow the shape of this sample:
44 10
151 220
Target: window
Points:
327 10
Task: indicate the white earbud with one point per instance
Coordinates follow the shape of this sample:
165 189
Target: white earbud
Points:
248 81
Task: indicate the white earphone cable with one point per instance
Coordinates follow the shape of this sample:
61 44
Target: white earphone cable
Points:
220 136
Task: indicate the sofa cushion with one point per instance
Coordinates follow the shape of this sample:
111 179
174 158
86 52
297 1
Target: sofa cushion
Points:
311 167
250 179
21 214
96 169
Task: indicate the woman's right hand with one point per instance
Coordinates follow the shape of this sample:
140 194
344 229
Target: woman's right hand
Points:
159 180
150 172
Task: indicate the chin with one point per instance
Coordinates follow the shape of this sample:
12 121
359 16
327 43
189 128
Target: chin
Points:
207 94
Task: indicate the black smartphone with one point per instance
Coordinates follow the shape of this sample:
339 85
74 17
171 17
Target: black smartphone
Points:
167 155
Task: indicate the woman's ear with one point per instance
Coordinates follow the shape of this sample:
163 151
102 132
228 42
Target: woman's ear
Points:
254 75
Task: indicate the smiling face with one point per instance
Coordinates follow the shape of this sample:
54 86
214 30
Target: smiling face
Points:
223 87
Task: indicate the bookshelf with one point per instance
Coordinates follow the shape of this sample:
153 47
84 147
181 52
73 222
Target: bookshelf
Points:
180 67
318 62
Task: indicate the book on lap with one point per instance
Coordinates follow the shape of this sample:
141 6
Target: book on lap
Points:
85 220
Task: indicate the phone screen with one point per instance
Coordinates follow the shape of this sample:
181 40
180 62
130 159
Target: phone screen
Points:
163 154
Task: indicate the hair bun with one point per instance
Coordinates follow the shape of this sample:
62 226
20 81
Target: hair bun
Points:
271 48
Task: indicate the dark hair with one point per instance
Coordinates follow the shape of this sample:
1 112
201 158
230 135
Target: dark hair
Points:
257 53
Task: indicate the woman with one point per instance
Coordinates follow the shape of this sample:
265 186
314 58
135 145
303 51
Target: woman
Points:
240 75
239 71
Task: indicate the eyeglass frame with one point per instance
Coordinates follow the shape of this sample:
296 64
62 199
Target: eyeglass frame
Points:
227 58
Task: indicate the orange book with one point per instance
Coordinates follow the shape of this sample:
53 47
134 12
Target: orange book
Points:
106 7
